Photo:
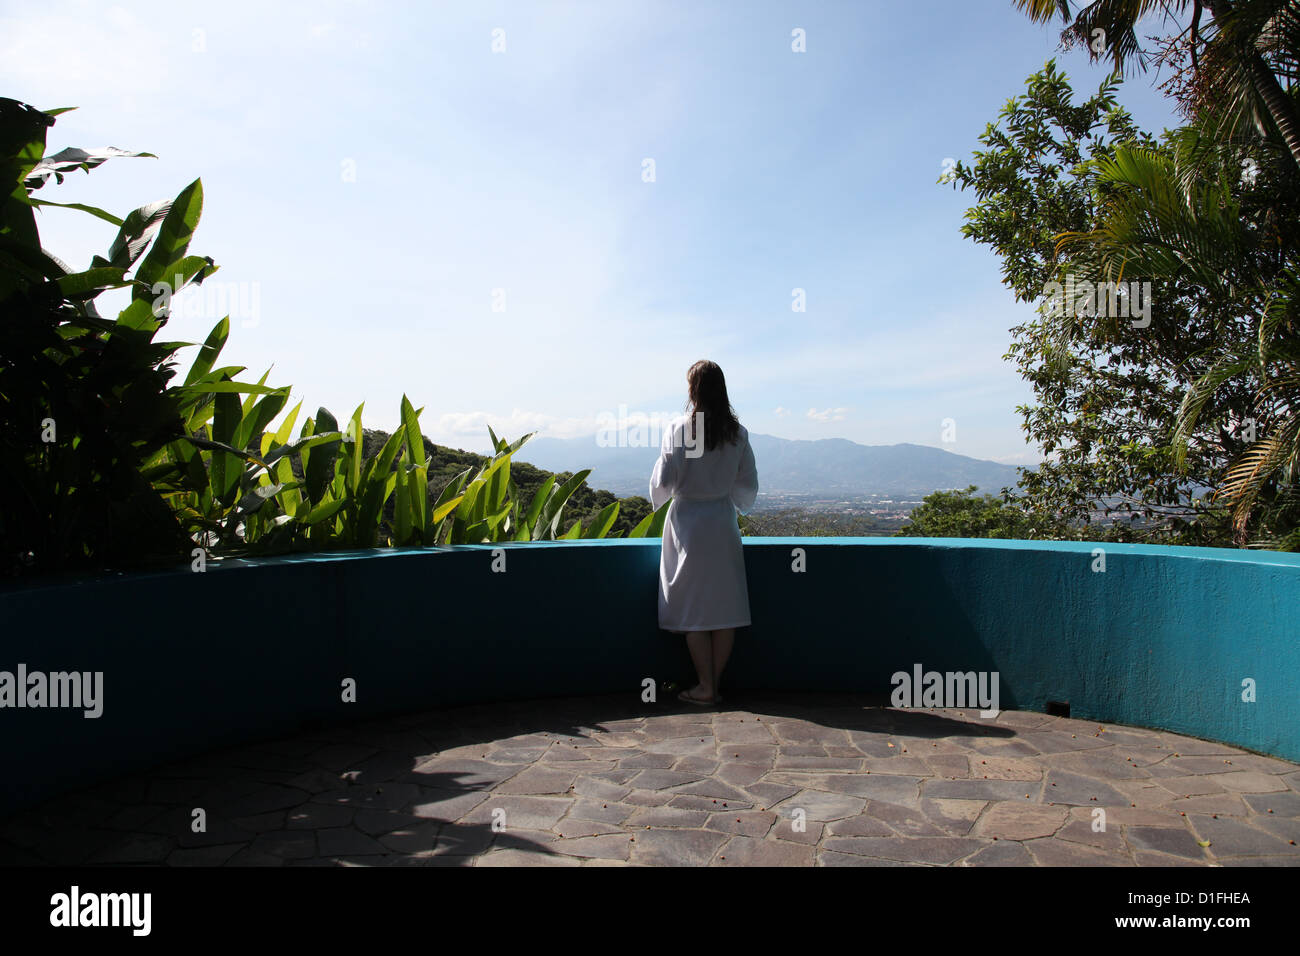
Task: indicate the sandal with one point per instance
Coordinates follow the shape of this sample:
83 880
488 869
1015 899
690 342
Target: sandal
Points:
686 697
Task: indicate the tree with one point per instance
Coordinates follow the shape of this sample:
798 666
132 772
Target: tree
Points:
85 401
959 514
1240 59
1187 217
1105 396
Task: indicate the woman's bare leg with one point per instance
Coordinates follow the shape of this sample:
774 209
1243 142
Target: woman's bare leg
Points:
722 644
701 648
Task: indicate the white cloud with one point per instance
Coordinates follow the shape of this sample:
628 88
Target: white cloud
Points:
454 427
827 415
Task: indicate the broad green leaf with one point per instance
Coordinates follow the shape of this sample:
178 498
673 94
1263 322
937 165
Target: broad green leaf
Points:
535 507
72 158
496 523
467 510
402 524
601 524
554 508
323 512
378 484
382 462
357 449
453 488
445 508
137 230
139 317
224 447
414 440
417 485
80 207
372 509
291 496
517 444
238 388
283 433
254 500
319 465
247 404
92 281
174 235
226 417
255 421
652 525
225 468
203 362
498 482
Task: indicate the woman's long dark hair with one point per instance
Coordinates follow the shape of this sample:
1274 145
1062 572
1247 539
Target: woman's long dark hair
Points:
708 394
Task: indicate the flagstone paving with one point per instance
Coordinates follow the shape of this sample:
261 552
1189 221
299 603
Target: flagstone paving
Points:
771 780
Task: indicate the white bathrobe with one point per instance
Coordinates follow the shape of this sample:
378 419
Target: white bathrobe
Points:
702 567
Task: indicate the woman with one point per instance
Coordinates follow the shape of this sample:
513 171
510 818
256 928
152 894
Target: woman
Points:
707 467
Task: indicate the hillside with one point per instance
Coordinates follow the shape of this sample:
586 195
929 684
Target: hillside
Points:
828 466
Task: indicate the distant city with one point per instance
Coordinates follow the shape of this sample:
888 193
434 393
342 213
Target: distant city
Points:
881 507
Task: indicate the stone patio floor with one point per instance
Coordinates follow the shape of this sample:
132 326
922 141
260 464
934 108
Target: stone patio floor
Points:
806 780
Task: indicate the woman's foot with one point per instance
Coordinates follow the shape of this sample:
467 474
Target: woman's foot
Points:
697 697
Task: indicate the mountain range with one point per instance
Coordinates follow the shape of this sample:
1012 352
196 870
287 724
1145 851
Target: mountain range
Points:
834 467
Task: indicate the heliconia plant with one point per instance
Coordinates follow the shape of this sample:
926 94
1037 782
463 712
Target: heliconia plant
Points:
485 505
341 499
116 463
97 451
223 472
652 525
490 508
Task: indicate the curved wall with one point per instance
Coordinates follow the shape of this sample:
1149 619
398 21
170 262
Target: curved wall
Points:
1163 637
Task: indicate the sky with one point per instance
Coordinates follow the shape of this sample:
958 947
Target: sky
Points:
533 215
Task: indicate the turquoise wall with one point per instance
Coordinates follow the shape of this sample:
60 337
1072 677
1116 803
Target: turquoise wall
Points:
1162 638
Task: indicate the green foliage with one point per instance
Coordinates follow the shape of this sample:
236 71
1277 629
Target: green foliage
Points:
105 461
1186 215
960 514
1243 58
86 404
1106 394
652 525
808 523
1211 217
489 504
361 489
